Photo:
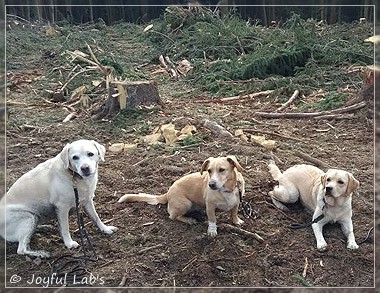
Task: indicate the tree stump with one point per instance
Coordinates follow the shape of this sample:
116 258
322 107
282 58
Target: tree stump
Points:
129 94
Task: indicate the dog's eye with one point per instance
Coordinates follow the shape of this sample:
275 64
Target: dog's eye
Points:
328 179
90 154
340 182
209 171
75 158
221 170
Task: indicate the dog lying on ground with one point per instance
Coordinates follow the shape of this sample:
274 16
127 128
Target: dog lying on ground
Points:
219 185
327 194
48 189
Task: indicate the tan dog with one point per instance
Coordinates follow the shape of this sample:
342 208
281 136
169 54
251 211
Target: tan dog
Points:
327 194
221 187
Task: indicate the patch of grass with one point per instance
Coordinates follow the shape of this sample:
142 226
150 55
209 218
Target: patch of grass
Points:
331 101
192 140
305 282
134 118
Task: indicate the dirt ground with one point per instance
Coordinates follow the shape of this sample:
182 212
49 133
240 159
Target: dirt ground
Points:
151 250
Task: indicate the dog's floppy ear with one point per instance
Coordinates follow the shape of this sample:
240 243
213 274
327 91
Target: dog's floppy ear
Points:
352 185
101 149
233 161
205 165
65 156
323 180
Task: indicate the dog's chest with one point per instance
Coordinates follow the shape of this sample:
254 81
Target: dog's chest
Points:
334 214
227 200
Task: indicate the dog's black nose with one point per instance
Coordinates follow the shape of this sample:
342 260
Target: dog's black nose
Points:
328 190
212 185
85 169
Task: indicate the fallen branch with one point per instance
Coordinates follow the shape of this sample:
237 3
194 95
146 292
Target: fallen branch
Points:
310 159
336 116
291 100
234 98
216 129
241 231
312 114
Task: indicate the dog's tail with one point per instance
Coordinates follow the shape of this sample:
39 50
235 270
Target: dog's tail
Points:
274 170
145 197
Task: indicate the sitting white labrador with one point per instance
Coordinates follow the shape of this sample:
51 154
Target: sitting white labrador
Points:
327 194
48 189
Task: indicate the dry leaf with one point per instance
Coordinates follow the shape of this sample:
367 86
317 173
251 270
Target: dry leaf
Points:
188 129
116 147
169 133
268 144
152 138
52 32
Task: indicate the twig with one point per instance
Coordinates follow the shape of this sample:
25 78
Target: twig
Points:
310 159
305 268
291 100
75 75
149 248
190 263
312 114
123 281
241 231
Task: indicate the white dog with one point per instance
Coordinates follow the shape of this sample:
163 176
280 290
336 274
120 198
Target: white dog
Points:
327 195
48 189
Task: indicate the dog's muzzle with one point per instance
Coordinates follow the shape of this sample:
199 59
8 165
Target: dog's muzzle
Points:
85 170
213 186
329 190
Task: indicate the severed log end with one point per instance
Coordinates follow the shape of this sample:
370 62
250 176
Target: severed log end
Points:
139 93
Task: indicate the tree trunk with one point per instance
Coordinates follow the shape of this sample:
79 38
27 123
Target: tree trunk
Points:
137 93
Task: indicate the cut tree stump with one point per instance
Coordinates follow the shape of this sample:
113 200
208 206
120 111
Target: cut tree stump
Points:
135 93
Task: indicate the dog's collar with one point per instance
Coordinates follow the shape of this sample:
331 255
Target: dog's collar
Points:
74 174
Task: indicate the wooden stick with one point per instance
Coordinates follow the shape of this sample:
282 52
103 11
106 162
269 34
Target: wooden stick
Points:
310 159
336 116
123 281
241 231
291 100
149 248
190 263
216 129
234 98
305 268
312 114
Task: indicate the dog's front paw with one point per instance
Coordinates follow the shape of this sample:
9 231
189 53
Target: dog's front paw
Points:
72 244
238 221
352 245
322 245
211 230
109 229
